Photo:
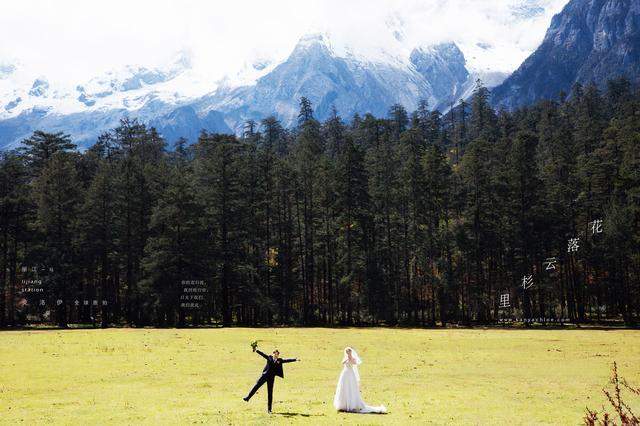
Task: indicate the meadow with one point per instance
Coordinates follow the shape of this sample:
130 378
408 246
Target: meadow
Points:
187 376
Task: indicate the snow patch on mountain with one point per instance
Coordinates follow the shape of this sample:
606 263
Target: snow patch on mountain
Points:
129 88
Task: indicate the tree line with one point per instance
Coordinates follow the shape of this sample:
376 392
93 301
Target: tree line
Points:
413 219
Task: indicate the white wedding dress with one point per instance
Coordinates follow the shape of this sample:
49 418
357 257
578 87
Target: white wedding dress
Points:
347 397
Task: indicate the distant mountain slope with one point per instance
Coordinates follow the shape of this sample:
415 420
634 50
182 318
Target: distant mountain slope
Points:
589 41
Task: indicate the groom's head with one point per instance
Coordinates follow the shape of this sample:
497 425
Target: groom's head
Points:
276 353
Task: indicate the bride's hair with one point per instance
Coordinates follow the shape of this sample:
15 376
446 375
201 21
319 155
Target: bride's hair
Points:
354 355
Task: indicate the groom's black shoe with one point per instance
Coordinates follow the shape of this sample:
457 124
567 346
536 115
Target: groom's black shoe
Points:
245 399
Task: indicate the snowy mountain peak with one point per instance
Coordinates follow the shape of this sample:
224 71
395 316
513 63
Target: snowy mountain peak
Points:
39 88
443 65
129 87
313 38
6 70
314 41
135 77
446 50
443 57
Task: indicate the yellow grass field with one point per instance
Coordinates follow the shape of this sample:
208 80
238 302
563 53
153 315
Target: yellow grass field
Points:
188 376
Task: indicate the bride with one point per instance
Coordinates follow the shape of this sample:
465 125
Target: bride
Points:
347 396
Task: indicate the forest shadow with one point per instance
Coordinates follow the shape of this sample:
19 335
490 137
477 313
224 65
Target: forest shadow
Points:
612 326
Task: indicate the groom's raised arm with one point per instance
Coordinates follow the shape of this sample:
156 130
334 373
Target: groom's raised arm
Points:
262 354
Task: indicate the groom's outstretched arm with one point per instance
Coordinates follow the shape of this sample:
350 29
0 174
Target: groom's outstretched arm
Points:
289 360
262 354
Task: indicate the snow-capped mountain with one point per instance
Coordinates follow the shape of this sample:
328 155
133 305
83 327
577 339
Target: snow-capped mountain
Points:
227 73
180 101
28 101
348 82
169 99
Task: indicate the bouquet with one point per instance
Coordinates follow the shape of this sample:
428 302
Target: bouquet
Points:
254 345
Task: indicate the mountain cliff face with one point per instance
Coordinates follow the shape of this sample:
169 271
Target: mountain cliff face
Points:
443 66
589 41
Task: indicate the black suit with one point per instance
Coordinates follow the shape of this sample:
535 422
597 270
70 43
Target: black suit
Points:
272 368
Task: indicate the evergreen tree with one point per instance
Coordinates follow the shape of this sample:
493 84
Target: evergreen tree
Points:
57 195
399 120
220 189
307 156
41 146
98 235
15 205
306 111
176 250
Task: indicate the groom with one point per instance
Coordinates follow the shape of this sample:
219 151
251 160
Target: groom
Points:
272 369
